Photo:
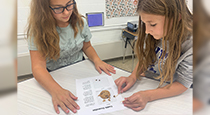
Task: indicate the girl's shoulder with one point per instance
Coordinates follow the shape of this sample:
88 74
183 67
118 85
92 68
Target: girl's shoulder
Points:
187 44
84 20
187 50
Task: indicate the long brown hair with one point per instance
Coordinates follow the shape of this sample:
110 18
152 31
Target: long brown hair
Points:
175 36
42 27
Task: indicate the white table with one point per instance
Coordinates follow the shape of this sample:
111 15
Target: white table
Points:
34 100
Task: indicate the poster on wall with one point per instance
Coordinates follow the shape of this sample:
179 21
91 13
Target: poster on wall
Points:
121 8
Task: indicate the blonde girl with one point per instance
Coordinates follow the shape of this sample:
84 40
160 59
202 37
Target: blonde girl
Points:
58 35
164 50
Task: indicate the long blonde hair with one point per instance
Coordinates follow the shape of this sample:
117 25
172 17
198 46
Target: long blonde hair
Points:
176 35
42 27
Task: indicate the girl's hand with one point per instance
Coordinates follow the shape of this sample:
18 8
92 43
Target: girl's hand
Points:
137 101
64 99
102 66
127 81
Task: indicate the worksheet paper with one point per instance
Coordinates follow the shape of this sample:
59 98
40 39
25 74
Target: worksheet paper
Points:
97 95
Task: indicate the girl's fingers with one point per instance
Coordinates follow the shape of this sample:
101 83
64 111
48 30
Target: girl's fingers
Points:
117 81
120 85
126 102
98 69
134 106
112 70
110 66
137 109
106 71
63 107
131 105
132 98
126 87
56 107
69 104
106 68
72 96
117 84
73 103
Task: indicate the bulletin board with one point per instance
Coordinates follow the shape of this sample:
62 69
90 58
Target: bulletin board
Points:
121 8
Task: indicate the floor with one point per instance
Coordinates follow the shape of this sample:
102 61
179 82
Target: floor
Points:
124 65
117 62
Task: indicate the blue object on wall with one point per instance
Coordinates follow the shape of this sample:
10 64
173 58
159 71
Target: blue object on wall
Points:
95 19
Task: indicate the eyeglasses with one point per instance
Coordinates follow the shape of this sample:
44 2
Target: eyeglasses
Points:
68 7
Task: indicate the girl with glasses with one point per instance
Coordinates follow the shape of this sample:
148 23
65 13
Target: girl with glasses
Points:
57 36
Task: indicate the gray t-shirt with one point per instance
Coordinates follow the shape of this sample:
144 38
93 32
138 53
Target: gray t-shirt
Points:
70 47
184 67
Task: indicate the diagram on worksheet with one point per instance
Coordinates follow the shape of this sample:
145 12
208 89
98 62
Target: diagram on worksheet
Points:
98 95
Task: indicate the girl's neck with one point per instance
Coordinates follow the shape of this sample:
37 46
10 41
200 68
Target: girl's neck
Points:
62 24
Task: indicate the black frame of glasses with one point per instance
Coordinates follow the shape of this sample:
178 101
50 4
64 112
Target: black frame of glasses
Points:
63 7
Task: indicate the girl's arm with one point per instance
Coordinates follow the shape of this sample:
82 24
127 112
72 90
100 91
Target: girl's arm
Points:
197 105
90 52
139 100
40 72
59 95
133 74
99 64
175 89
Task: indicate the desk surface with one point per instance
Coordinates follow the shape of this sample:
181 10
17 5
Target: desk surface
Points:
132 33
34 100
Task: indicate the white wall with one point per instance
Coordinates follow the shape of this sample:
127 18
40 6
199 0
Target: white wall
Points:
190 5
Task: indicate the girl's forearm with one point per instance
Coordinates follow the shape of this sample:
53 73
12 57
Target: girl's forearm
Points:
164 92
197 104
45 79
133 74
91 54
